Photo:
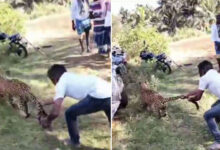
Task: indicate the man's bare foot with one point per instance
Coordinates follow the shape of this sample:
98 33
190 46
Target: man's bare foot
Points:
82 52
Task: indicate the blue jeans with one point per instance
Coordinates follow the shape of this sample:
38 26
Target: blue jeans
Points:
86 106
217 47
211 116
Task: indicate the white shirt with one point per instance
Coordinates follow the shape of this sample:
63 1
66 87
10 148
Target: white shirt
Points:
80 86
75 10
117 88
211 81
108 21
214 33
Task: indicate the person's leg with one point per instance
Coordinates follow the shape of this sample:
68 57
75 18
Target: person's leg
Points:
217 119
210 116
80 33
86 106
81 43
217 50
87 40
108 39
218 61
107 108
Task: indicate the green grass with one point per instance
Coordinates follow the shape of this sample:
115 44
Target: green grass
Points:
17 133
183 129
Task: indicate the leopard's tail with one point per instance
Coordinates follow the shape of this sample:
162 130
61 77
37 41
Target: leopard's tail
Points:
174 98
180 97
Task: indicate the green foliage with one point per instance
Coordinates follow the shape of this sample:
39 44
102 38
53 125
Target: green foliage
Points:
11 20
142 14
131 39
172 15
211 7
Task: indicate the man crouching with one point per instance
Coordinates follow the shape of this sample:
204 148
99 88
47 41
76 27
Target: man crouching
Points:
93 93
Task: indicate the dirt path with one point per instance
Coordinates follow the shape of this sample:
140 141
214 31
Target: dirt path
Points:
191 49
49 27
56 31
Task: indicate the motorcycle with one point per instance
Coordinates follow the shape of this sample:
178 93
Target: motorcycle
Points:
119 59
16 44
162 62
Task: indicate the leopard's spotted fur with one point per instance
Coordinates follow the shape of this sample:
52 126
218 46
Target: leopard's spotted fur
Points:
154 102
19 94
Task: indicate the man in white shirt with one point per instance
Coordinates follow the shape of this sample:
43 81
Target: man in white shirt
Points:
93 93
210 79
81 21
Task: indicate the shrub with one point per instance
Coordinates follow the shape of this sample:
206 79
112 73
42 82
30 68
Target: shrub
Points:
131 39
11 20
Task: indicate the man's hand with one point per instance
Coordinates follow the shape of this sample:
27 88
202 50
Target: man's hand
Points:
195 95
73 25
48 102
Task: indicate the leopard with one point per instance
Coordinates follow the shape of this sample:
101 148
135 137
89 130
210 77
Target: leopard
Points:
156 103
18 94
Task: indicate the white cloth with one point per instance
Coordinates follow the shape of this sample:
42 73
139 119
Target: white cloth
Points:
80 86
76 12
108 18
214 33
117 88
211 81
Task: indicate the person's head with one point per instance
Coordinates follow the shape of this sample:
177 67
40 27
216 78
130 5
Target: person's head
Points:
218 19
204 67
55 72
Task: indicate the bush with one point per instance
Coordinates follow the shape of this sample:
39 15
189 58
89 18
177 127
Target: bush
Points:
11 20
131 39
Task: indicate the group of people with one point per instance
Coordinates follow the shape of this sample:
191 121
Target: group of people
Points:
99 11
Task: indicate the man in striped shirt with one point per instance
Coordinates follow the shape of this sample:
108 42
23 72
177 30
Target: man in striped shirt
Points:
97 13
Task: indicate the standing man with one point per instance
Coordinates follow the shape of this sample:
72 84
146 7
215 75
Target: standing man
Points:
93 93
215 36
210 79
108 25
81 21
97 14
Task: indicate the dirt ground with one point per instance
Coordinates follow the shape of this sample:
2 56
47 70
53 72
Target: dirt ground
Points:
56 31
191 49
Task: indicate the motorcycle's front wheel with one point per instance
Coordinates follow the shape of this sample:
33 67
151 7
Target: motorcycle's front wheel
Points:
163 66
21 51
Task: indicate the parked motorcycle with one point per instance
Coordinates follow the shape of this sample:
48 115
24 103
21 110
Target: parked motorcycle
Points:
162 63
16 44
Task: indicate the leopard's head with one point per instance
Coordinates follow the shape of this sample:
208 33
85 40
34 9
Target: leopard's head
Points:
144 85
43 116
